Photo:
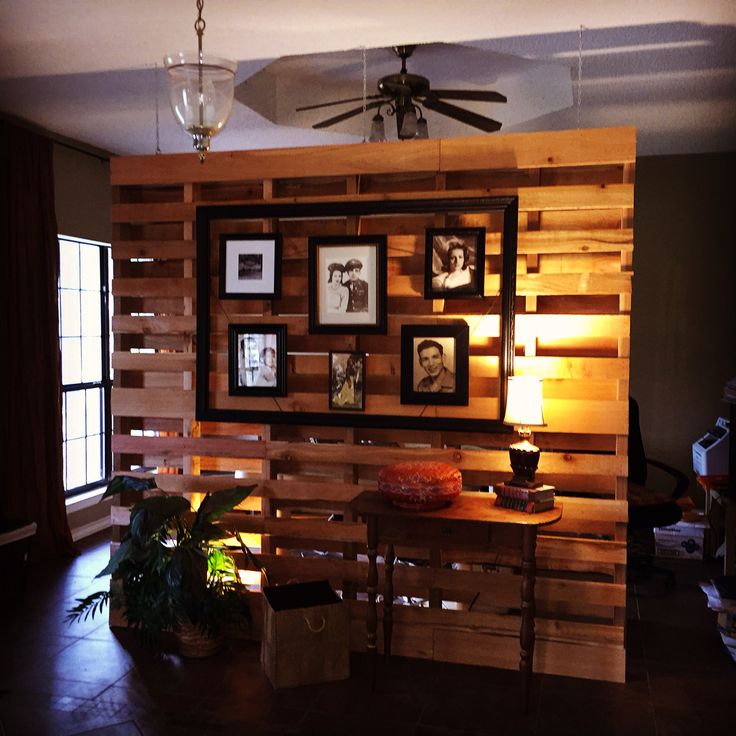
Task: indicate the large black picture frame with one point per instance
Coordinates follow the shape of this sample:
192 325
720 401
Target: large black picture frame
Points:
208 215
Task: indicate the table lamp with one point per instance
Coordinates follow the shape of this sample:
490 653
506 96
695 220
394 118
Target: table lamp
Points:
524 410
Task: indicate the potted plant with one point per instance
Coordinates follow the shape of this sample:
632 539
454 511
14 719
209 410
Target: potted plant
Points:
172 571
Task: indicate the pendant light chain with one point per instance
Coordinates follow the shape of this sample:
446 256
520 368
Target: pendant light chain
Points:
199 26
158 127
365 92
580 72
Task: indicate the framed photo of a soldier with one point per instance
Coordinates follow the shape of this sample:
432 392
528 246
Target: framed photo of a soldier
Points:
434 364
347 284
250 266
454 262
256 360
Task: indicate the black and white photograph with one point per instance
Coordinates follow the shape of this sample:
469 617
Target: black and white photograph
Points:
434 364
347 284
250 266
347 381
454 262
257 360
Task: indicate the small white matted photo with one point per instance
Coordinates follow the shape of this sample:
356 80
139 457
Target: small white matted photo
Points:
250 266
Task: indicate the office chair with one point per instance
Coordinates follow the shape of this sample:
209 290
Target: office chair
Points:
649 507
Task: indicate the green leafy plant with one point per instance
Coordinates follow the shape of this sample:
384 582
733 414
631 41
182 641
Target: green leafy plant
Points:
172 568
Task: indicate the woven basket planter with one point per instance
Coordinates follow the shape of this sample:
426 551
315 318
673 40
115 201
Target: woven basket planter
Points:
193 642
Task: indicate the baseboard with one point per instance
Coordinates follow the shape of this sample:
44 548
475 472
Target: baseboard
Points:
87 530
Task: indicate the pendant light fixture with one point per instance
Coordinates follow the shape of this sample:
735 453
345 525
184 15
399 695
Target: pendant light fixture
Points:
200 90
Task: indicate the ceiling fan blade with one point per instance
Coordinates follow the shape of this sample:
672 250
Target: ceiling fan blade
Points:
349 114
474 95
464 116
338 102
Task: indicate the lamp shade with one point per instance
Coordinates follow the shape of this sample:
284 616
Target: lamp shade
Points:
201 94
524 402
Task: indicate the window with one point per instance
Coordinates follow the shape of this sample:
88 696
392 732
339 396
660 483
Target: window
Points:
85 336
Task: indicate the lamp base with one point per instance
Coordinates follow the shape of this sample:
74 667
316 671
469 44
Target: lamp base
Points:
524 458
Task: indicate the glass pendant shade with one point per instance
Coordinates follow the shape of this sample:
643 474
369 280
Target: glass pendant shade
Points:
422 129
378 129
408 124
201 89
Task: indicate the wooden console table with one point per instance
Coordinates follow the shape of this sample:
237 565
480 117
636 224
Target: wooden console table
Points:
470 520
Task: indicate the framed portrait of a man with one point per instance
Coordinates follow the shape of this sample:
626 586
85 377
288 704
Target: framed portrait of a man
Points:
454 262
250 266
257 360
434 364
347 284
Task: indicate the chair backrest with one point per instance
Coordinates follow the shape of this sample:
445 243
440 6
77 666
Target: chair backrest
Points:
637 457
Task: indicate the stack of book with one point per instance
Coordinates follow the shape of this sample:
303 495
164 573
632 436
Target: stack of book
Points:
521 498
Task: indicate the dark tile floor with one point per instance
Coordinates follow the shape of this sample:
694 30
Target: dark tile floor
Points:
62 680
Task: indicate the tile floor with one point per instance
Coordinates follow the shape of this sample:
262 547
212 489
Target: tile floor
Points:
63 680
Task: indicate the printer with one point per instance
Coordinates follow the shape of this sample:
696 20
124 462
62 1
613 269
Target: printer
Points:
710 452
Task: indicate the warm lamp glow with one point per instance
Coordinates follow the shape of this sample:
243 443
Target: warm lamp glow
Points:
524 402
524 410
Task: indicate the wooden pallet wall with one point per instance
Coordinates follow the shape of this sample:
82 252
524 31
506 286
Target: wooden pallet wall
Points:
574 271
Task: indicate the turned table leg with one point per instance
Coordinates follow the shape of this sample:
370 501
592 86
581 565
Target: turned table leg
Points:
371 619
388 601
528 573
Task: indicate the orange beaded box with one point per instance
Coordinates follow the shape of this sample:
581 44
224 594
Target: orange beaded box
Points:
420 485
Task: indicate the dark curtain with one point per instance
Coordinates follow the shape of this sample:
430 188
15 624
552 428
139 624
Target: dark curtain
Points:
32 486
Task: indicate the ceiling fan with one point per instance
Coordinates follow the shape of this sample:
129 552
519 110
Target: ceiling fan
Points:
403 95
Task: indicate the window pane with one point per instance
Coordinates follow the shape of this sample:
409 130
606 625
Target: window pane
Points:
89 260
75 424
76 466
94 459
90 313
94 410
91 359
69 313
69 265
71 360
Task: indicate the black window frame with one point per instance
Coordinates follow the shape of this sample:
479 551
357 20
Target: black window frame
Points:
105 383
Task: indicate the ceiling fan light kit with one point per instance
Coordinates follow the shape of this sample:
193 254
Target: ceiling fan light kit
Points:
402 95
201 89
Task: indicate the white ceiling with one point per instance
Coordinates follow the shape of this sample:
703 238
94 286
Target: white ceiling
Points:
91 70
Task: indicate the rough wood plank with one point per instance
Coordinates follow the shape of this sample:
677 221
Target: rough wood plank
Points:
162 249
582 147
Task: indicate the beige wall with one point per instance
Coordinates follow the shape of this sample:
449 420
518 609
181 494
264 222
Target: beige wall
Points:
82 198
683 327
82 194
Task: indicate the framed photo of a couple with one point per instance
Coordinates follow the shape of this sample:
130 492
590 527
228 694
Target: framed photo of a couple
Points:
250 266
434 364
256 360
454 262
347 284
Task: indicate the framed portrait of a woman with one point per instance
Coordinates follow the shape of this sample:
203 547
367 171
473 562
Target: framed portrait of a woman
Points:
347 284
454 262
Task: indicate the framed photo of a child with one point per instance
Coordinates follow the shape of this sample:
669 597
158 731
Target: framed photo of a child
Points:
257 360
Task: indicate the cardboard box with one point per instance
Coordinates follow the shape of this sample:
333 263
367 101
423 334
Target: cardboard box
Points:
685 539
